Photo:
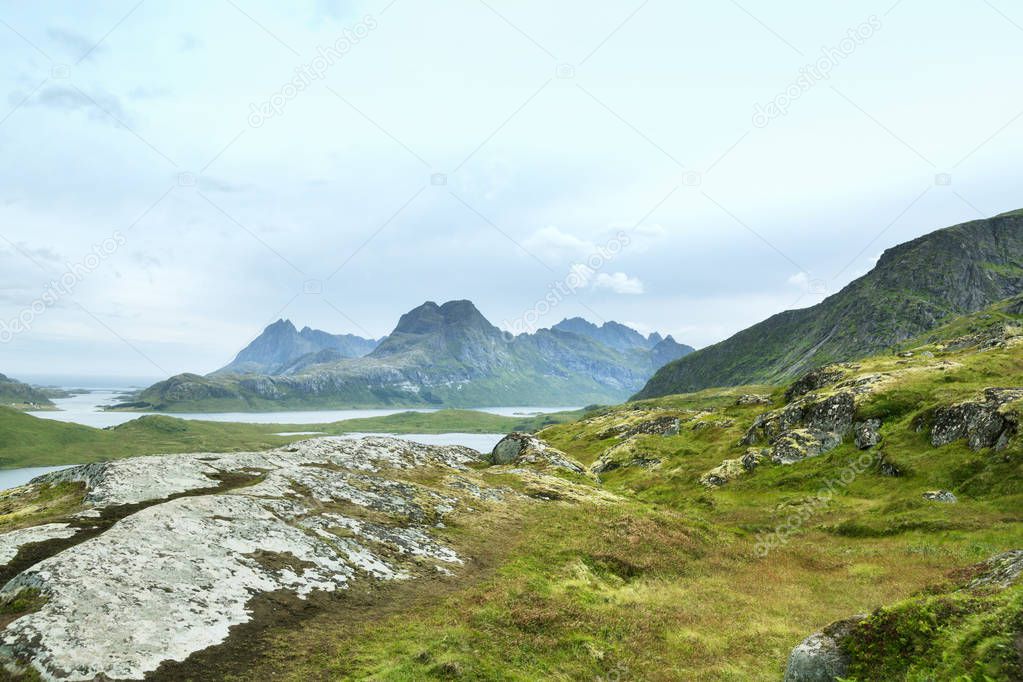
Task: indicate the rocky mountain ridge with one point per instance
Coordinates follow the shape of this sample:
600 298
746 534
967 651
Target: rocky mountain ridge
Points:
448 355
282 349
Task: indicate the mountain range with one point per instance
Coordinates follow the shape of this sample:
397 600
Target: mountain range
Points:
913 288
437 355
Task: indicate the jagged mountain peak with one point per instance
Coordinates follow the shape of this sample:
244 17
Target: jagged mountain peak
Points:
281 324
280 346
614 334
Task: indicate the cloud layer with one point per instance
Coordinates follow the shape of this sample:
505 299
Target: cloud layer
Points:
453 152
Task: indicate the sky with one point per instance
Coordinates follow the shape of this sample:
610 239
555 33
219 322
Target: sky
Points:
176 176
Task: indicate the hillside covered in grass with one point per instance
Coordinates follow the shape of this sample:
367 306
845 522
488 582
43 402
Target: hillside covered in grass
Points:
20 396
705 536
869 488
860 482
914 287
30 441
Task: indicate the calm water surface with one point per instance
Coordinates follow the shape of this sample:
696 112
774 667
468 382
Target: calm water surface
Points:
86 409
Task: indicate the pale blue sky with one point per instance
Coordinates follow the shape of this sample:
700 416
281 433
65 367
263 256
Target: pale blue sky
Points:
555 125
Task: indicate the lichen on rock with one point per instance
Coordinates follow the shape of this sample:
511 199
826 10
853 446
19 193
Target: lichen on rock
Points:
820 657
868 433
178 569
731 469
526 449
989 422
623 455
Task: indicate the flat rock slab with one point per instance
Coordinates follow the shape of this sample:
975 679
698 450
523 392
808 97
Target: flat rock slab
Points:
11 542
175 574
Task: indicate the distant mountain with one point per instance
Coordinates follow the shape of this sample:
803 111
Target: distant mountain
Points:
668 350
281 348
615 335
913 288
446 354
14 393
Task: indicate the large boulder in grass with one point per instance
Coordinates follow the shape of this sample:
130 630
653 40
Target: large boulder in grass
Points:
528 450
985 423
820 657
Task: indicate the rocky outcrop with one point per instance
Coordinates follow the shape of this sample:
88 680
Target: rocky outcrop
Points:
807 427
798 444
819 657
868 433
660 425
814 381
999 571
526 449
945 496
752 399
199 537
623 456
985 423
731 469
817 421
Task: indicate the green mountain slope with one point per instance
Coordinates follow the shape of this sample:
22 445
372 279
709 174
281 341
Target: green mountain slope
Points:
660 572
913 288
16 394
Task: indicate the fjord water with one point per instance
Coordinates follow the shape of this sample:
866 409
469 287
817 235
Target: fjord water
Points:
86 408
12 478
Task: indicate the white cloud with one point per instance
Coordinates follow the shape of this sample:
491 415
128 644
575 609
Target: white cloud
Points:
619 282
800 279
552 241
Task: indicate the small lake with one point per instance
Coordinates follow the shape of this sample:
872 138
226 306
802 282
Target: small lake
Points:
12 478
86 409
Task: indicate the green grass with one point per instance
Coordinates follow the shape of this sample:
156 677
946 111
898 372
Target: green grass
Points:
667 582
958 635
30 441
